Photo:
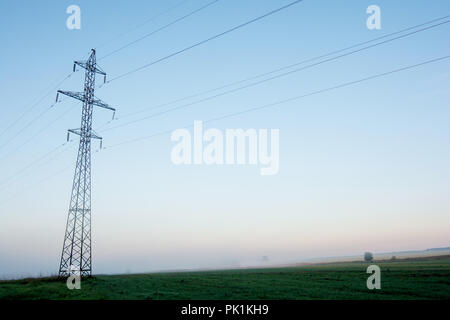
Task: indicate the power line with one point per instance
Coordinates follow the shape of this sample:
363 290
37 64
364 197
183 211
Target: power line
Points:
176 53
77 243
36 184
328 89
143 23
35 162
34 136
280 102
52 90
160 29
46 154
206 40
40 115
279 69
63 80
274 77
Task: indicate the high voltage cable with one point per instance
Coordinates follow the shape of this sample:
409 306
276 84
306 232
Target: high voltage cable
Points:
310 60
143 23
280 102
159 29
278 69
35 162
42 113
69 75
46 154
272 78
52 90
206 40
159 60
34 136
35 184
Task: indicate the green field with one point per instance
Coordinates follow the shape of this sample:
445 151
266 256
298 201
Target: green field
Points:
409 279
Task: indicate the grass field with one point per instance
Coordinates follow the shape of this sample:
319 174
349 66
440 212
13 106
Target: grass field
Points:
409 279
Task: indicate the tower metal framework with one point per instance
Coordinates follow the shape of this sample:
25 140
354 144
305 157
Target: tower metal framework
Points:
77 248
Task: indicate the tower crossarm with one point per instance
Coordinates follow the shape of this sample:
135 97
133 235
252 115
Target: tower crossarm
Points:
91 135
101 104
72 94
89 67
85 65
80 96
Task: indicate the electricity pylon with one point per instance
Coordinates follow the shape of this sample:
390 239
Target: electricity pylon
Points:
77 247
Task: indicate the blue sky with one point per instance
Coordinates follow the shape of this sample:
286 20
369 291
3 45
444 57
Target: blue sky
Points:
363 168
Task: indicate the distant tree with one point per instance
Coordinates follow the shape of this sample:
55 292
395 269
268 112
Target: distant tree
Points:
368 256
393 258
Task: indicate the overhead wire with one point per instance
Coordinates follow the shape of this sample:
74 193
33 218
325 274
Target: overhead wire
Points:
295 98
204 41
153 18
32 106
122 116
159 29
273 77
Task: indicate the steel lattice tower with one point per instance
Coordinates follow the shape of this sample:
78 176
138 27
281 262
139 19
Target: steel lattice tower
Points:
77 247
